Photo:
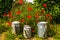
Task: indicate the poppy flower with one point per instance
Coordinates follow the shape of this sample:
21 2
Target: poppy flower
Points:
29 16
18 12
29 8
22 20
9 23
37 15
44 5
42 10
20 2
4 14
33 31
48 15
9 14
12 17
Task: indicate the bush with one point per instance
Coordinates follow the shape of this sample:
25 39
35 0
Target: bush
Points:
53 8
5 6
3 26
9 36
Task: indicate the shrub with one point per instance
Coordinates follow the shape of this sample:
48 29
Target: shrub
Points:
53 8
5 6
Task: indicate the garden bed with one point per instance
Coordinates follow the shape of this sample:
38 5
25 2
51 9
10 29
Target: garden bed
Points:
29 13
9 36
34 38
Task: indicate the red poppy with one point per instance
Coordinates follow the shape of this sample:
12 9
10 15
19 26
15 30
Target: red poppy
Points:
12 17
48 15
22 20
20 2
4 14
44 5
29 16
42 10
37 15
33 31
18 12
29 8
9 14
9 23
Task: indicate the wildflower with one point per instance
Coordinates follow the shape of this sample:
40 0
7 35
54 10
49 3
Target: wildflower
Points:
44 5
29 8
18 12
4 14
12 17
29 16
9 14
36 15
20 2
9 23
42 10
33 30
22 20
48 15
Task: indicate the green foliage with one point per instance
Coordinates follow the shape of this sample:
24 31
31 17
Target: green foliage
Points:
9 36
20 36
50 31
53 7
5 6
2 27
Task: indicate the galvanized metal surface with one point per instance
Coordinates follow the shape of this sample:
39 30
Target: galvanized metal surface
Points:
27 31
42 29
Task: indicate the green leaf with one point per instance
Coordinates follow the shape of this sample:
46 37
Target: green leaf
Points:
45 0
0 0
